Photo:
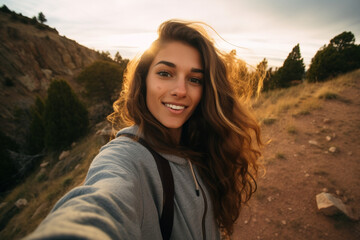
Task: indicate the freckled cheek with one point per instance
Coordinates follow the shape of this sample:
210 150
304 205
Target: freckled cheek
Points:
155 90
158 88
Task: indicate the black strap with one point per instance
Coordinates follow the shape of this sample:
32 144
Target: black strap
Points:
167 181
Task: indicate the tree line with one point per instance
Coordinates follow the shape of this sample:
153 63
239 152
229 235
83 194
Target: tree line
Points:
339 56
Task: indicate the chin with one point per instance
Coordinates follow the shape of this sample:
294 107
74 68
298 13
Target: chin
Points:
173 126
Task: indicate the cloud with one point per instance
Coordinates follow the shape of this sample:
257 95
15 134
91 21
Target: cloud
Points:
260 28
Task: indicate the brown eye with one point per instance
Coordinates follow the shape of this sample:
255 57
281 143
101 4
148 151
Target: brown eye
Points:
196 81
164 74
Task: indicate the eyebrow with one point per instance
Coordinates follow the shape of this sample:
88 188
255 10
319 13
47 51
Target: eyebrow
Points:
170 64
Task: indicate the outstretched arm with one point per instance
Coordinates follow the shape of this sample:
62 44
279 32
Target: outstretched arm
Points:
108 205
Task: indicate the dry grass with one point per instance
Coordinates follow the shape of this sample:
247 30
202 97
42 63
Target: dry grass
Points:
42 191
301 99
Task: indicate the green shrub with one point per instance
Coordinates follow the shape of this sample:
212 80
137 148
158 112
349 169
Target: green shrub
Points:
65 117
341 55
102 80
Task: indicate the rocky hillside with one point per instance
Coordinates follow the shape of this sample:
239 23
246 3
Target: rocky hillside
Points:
31 54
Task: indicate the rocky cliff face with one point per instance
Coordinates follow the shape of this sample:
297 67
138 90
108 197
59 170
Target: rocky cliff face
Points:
30 56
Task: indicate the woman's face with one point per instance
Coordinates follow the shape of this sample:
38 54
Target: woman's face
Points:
174 85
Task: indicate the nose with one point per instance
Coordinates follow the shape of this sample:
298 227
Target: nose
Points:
179 89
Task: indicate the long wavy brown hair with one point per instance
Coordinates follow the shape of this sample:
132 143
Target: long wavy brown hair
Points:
221 138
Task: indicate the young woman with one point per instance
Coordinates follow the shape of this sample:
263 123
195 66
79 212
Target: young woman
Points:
178 98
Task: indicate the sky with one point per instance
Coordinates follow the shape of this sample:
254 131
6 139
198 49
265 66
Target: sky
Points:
256 29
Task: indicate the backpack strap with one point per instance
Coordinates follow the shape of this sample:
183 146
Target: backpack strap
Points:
167 181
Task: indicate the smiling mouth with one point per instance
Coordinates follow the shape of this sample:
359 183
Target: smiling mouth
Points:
174 107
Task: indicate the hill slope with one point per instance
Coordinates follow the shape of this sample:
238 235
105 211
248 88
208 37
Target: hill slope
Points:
31 54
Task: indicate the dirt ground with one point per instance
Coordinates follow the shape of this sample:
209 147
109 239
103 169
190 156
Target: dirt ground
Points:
284 207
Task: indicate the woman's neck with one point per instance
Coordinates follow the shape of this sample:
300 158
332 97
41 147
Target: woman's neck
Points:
175 134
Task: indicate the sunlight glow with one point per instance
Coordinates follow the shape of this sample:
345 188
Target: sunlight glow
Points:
259 29
128 45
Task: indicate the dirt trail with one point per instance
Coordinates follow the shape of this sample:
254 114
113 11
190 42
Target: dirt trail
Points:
284 206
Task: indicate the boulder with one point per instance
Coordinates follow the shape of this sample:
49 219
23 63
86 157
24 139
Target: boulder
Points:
44 164
63 155
326 120
21 203
331 205
313 142
47 72
332 149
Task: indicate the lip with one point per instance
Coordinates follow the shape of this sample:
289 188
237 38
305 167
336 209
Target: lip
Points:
174 110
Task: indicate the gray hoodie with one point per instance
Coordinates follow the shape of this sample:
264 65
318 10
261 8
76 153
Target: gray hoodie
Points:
122 198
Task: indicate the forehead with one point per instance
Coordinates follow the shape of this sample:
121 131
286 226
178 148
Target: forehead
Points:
181 54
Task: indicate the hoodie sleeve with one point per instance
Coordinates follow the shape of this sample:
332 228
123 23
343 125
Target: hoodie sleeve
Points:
108 205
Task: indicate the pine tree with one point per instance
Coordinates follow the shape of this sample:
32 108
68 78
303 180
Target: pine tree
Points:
41 17
37 130
65 117
292 69
118 58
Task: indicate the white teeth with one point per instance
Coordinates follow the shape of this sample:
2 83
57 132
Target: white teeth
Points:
175 107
